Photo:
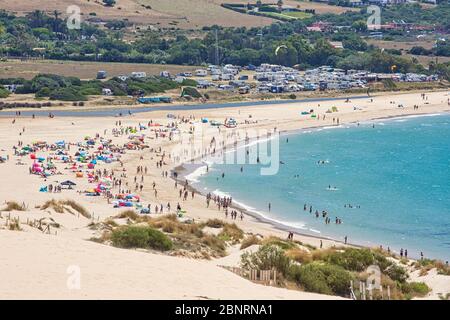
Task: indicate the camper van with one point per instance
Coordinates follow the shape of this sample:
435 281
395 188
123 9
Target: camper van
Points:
139 74
244 90
201 73
227 77
164 74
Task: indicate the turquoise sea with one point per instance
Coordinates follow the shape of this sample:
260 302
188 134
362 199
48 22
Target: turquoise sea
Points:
395 175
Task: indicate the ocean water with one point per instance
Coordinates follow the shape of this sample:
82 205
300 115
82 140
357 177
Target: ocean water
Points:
395 175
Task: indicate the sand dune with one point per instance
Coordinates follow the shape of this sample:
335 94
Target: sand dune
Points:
34 266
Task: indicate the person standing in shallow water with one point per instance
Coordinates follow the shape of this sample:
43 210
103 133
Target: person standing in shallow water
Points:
345 240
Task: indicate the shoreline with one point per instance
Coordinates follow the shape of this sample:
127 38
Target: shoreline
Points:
114 110
261 217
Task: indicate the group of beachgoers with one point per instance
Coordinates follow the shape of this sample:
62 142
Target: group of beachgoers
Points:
324 214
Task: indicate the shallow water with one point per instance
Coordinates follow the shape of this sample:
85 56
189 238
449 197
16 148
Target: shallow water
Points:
396 176
111 112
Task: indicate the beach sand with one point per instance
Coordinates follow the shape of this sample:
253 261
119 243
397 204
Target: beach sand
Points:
34 265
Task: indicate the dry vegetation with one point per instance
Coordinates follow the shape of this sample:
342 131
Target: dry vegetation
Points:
14 206
82 70
174 13
69 206
187 238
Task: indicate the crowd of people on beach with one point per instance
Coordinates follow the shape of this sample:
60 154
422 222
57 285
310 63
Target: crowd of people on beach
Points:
124 184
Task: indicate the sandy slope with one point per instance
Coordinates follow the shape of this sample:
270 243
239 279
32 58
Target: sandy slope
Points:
34 266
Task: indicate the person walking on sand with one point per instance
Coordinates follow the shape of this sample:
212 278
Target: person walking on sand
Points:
321 244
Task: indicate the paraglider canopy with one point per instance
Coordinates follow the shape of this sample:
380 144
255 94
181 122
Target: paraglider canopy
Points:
279 48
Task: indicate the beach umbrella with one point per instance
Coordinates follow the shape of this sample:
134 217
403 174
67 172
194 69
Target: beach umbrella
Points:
68 183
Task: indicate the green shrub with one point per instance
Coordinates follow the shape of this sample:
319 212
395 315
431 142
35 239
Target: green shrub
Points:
190 91
266 258
283 244
352 259
415 289
189 82
43 92
140 237
67 94
397 273
231 232
322 278
4 93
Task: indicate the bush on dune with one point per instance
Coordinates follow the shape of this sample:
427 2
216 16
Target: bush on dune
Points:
140 237
415 289
268 257
352 259
322 278
250 241
299 255
231 232
281 243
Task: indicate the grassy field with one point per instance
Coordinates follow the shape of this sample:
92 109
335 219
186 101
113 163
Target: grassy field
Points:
405 46
402 45
83 70
184 14
320 8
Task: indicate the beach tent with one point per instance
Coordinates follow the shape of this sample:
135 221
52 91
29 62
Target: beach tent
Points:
68 184
204 120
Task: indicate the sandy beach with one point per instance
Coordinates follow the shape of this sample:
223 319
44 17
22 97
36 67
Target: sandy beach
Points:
35 265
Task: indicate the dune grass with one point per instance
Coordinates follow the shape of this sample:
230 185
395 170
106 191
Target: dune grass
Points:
130 214
61 206
14 225
231 232
250 241
14 206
